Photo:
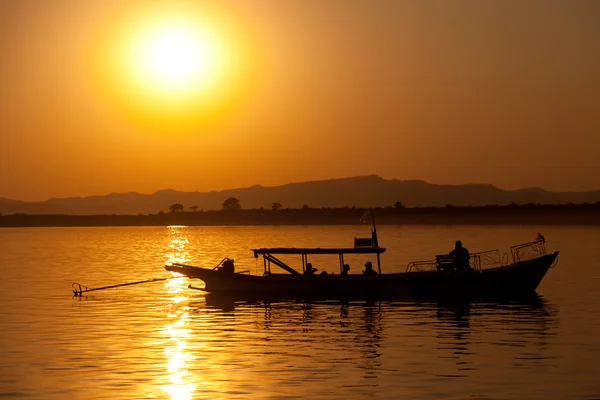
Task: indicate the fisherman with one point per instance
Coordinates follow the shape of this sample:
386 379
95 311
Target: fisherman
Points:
460 256
309 269
369 269
228 266
345 269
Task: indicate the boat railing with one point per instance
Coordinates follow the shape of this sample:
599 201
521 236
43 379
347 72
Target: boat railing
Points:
504 259
485 259
421 266
477 261
528 251
244 272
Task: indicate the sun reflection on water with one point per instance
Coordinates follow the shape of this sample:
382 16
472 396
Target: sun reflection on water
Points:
177 252
177 358
178 331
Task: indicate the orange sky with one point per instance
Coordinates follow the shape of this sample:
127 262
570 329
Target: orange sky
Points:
503 92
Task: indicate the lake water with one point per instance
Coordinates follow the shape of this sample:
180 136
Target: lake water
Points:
162 340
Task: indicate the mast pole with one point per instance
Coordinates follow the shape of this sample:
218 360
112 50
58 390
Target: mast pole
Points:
375 241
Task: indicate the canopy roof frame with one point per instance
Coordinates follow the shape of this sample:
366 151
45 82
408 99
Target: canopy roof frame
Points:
268 257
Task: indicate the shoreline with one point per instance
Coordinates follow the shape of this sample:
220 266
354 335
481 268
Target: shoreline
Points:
541 215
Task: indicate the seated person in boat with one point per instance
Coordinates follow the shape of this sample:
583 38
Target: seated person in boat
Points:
369 269
460 256
345 269
309 269
227 267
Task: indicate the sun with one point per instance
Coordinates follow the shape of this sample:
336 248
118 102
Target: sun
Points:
176 57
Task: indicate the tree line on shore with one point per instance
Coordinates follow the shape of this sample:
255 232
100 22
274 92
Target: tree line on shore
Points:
232 213
234 204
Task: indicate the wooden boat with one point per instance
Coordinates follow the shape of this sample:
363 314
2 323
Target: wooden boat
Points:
487 274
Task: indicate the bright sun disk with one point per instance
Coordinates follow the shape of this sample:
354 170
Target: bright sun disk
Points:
175 58
175 55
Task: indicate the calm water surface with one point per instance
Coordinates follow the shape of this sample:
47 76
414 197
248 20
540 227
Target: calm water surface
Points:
162 340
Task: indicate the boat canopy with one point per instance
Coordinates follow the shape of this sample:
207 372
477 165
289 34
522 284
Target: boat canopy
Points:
369 245
361 246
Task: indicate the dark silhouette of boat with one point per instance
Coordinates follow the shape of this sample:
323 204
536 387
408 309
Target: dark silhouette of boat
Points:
488 274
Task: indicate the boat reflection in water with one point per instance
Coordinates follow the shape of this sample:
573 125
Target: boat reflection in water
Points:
398 345
368 337
522 327
317 342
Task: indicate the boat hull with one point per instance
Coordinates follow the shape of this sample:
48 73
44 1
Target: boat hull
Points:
515 279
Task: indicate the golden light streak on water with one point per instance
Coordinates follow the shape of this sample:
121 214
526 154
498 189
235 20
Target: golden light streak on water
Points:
177 246
177 358
176 284
178 332
179 299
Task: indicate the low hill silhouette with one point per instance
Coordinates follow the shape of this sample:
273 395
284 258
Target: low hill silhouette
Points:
360 191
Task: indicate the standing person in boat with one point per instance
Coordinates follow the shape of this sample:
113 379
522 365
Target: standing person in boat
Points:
309 269
369 269
460 255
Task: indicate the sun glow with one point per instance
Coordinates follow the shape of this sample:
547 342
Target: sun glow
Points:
175 67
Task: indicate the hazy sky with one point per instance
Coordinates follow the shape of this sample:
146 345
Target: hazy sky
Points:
502 92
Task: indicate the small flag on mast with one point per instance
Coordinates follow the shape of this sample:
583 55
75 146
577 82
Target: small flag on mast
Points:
366 217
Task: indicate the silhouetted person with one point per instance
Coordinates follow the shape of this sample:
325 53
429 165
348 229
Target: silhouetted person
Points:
369 269
228 267
460 256
345 269
309 269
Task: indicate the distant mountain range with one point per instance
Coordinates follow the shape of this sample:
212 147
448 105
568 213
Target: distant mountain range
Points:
360 191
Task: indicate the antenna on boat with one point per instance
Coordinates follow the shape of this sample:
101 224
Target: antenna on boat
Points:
374 231
374 240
